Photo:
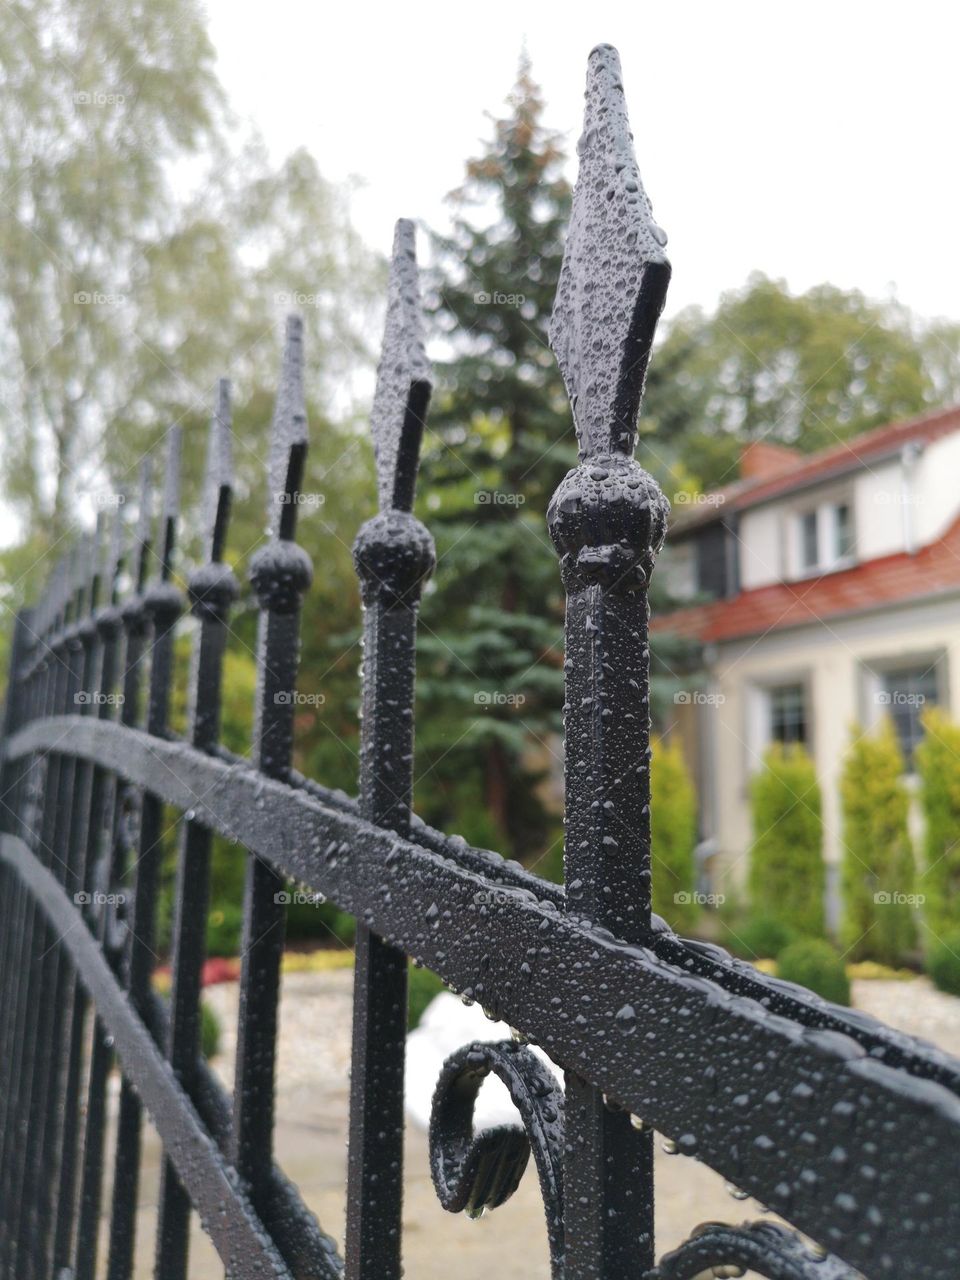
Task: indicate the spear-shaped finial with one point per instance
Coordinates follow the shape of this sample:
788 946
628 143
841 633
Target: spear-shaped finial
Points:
170 508
403 379
218 478
142 536
94 566
113 554
288 437
614 276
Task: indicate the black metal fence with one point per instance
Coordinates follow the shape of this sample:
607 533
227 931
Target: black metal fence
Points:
845 1128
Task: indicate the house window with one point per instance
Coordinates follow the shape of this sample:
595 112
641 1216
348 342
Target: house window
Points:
788 713
842 532
904 693
825 537
809 542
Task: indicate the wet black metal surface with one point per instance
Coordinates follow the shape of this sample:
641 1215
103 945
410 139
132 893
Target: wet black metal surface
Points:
849 1130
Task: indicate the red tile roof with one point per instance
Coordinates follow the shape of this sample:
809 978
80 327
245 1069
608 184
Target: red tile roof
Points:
897 579
863 449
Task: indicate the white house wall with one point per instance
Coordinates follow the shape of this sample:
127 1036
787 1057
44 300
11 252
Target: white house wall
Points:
896 507
830 660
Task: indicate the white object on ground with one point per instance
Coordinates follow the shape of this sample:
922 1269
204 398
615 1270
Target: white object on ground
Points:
448 1024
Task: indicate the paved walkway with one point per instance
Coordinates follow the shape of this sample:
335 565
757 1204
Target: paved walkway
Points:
314 1049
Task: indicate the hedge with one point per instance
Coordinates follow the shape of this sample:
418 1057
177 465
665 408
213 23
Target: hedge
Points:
787 878
878 874
674 835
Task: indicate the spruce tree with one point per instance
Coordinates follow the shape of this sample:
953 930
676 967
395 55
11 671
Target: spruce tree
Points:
499 441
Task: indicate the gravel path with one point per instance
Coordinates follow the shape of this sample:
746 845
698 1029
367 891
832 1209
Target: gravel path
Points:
313 1066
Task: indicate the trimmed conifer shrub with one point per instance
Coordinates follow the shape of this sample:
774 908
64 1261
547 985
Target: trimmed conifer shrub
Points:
814 964
938 763
786 878
674 833
878 873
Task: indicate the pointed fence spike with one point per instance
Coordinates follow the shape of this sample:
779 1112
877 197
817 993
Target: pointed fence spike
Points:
614 276
95 565
114 553
288 435
144 527
404 379
170 507
218 477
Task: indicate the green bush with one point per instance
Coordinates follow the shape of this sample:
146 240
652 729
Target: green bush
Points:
209 1031
943 963
763 937
814 964
877 872
674 835
938 763
225 930
786 878
423 986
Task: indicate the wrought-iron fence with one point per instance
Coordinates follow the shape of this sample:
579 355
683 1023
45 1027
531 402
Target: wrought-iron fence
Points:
847 1129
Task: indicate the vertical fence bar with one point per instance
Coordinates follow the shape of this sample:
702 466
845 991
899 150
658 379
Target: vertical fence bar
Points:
109 627
394 555
607 521
17 712
106 621
162 605
88 701
212 590
75 1016
57 827
121 835
280 573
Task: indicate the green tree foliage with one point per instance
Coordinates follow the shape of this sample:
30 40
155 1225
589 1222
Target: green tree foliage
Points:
806 370
786 877
146 248
878 873
674 829
938 763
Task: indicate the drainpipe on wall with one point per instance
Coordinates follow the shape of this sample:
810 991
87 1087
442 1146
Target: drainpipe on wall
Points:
908 460
706 737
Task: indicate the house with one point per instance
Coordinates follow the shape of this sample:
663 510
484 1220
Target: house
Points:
823 591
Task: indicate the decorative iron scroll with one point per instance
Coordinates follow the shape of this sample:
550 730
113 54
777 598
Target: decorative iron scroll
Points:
717 1249
475 1172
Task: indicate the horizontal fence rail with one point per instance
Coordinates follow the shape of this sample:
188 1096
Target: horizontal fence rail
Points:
848 1129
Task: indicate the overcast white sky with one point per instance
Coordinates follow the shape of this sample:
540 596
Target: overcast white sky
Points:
815 141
